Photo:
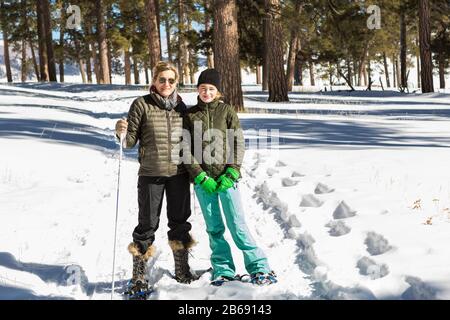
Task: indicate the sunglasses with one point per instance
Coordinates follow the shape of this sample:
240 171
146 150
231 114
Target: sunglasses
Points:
164 80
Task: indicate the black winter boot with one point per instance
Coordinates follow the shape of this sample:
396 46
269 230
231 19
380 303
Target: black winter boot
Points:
181 256
138 286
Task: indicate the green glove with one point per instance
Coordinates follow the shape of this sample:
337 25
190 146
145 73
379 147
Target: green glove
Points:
225 183
199 179
227 179
232 173
208 184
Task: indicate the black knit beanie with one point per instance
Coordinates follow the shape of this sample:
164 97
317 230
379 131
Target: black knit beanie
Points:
209 76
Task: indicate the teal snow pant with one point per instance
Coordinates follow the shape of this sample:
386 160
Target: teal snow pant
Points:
221 258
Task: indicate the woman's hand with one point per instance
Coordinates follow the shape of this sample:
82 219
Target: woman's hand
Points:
121 127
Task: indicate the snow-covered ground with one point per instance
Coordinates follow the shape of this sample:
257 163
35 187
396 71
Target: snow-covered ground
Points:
354 204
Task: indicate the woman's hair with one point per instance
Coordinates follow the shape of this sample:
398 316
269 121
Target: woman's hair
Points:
162 66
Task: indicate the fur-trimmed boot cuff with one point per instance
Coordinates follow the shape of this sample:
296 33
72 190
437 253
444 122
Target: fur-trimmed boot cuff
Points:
176 245
133 248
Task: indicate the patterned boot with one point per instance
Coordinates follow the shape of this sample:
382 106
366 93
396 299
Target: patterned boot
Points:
181 256
138 288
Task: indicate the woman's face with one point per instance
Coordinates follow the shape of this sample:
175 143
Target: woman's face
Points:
207 92
165 83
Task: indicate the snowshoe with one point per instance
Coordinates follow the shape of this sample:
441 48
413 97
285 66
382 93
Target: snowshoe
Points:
221 280
261 278
138 290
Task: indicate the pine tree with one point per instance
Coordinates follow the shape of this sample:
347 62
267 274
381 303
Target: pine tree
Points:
425 46
154 42
226 51
274 44
440 45
5 31
102 44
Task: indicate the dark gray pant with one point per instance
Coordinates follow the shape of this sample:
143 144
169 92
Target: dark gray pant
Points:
150 197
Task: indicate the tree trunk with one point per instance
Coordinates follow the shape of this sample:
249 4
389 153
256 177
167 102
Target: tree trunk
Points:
89 69
403 68
442 71
362 71
109 60
299 72
95 61
349 72
418 71
154 42
209 54
61 43
137 79
35 64
102 44
425 46
399 77
79 59
394 71
6 55
293 49
386 70
168 36
43 60
265 84
291 61
23 69
182 48
258 74
127 66
369 73
49 41
311 73
226 51
277 79
147 78
158 23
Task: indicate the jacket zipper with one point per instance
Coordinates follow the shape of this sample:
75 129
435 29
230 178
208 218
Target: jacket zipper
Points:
209 136
169 140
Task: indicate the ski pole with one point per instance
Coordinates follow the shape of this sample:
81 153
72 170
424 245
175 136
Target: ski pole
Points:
117 215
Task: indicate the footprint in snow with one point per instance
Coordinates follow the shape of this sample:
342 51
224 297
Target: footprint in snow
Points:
343 211
288 182
322 188
368 267
271 171
296 174
280 164
376 244
337 228
419 290
309 200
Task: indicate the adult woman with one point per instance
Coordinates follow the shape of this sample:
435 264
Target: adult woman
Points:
216 176
155 121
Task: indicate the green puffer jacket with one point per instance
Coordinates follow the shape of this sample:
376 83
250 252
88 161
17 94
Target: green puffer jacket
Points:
225 152
159 132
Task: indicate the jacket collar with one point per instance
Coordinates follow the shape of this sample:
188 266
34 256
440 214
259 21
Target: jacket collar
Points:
210 105
168 103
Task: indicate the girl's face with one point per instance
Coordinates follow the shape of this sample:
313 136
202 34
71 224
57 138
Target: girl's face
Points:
165 83
207 92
